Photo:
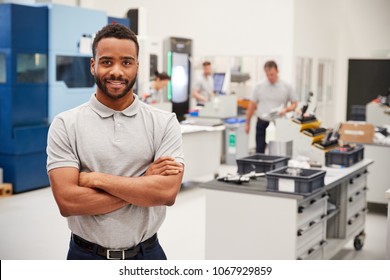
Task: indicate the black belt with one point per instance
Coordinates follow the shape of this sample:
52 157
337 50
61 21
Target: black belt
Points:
113 254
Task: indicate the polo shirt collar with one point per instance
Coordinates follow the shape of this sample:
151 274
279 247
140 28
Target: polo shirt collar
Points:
274 84
105 112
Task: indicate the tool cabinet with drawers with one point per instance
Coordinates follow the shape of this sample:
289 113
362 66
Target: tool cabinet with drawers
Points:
311 227
248 222
347 220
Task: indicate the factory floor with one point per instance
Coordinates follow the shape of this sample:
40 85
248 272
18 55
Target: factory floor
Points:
31 227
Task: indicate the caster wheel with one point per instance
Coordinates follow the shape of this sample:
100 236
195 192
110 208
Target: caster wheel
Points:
358 242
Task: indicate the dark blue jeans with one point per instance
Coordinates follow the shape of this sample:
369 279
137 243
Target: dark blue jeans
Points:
261 128
152 252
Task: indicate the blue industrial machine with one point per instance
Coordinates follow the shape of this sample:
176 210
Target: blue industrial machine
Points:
70 79
23 95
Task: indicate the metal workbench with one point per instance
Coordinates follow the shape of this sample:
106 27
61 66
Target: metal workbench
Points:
248 222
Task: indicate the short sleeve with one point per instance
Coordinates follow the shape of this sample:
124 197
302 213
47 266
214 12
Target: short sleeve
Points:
171 143
255 95
59 148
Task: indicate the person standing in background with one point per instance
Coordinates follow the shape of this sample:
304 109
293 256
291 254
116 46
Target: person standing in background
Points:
267 96
203 89
154 90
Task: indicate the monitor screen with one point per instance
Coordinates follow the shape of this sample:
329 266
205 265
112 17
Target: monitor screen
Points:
218 82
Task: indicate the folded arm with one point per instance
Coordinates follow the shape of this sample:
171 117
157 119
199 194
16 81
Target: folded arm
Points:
145 191
73 200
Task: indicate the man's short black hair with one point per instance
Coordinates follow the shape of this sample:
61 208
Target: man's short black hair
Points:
114 30
206 63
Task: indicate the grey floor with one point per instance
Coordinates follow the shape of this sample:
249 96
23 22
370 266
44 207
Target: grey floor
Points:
31 228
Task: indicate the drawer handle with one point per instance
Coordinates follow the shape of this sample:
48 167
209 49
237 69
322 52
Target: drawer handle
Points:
357 215
302 208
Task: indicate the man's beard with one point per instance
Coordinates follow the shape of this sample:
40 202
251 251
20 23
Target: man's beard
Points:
102 86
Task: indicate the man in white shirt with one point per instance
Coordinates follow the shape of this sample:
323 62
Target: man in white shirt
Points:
268 96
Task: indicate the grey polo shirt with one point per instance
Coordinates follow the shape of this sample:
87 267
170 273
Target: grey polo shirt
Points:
93 137
205 86
269 97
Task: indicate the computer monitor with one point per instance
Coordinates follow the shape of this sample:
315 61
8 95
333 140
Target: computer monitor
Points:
218 82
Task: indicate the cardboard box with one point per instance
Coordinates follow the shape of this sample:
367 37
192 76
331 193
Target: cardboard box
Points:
357 132
5 189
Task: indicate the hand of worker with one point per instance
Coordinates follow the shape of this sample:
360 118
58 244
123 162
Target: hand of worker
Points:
283 112
86 179
247 127
164 166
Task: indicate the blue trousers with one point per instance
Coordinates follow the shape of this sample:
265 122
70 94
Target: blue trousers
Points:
261 128
152 252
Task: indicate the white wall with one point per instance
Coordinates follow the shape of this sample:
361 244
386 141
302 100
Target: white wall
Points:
364 34
340 30
316 36
218 27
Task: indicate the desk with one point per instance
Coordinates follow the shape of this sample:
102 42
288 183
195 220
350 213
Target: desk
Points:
248 222
202 146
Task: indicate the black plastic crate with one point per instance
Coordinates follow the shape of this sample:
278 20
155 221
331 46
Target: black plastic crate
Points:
260 163
304 182
344 158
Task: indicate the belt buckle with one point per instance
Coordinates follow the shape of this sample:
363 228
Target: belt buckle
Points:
110 258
